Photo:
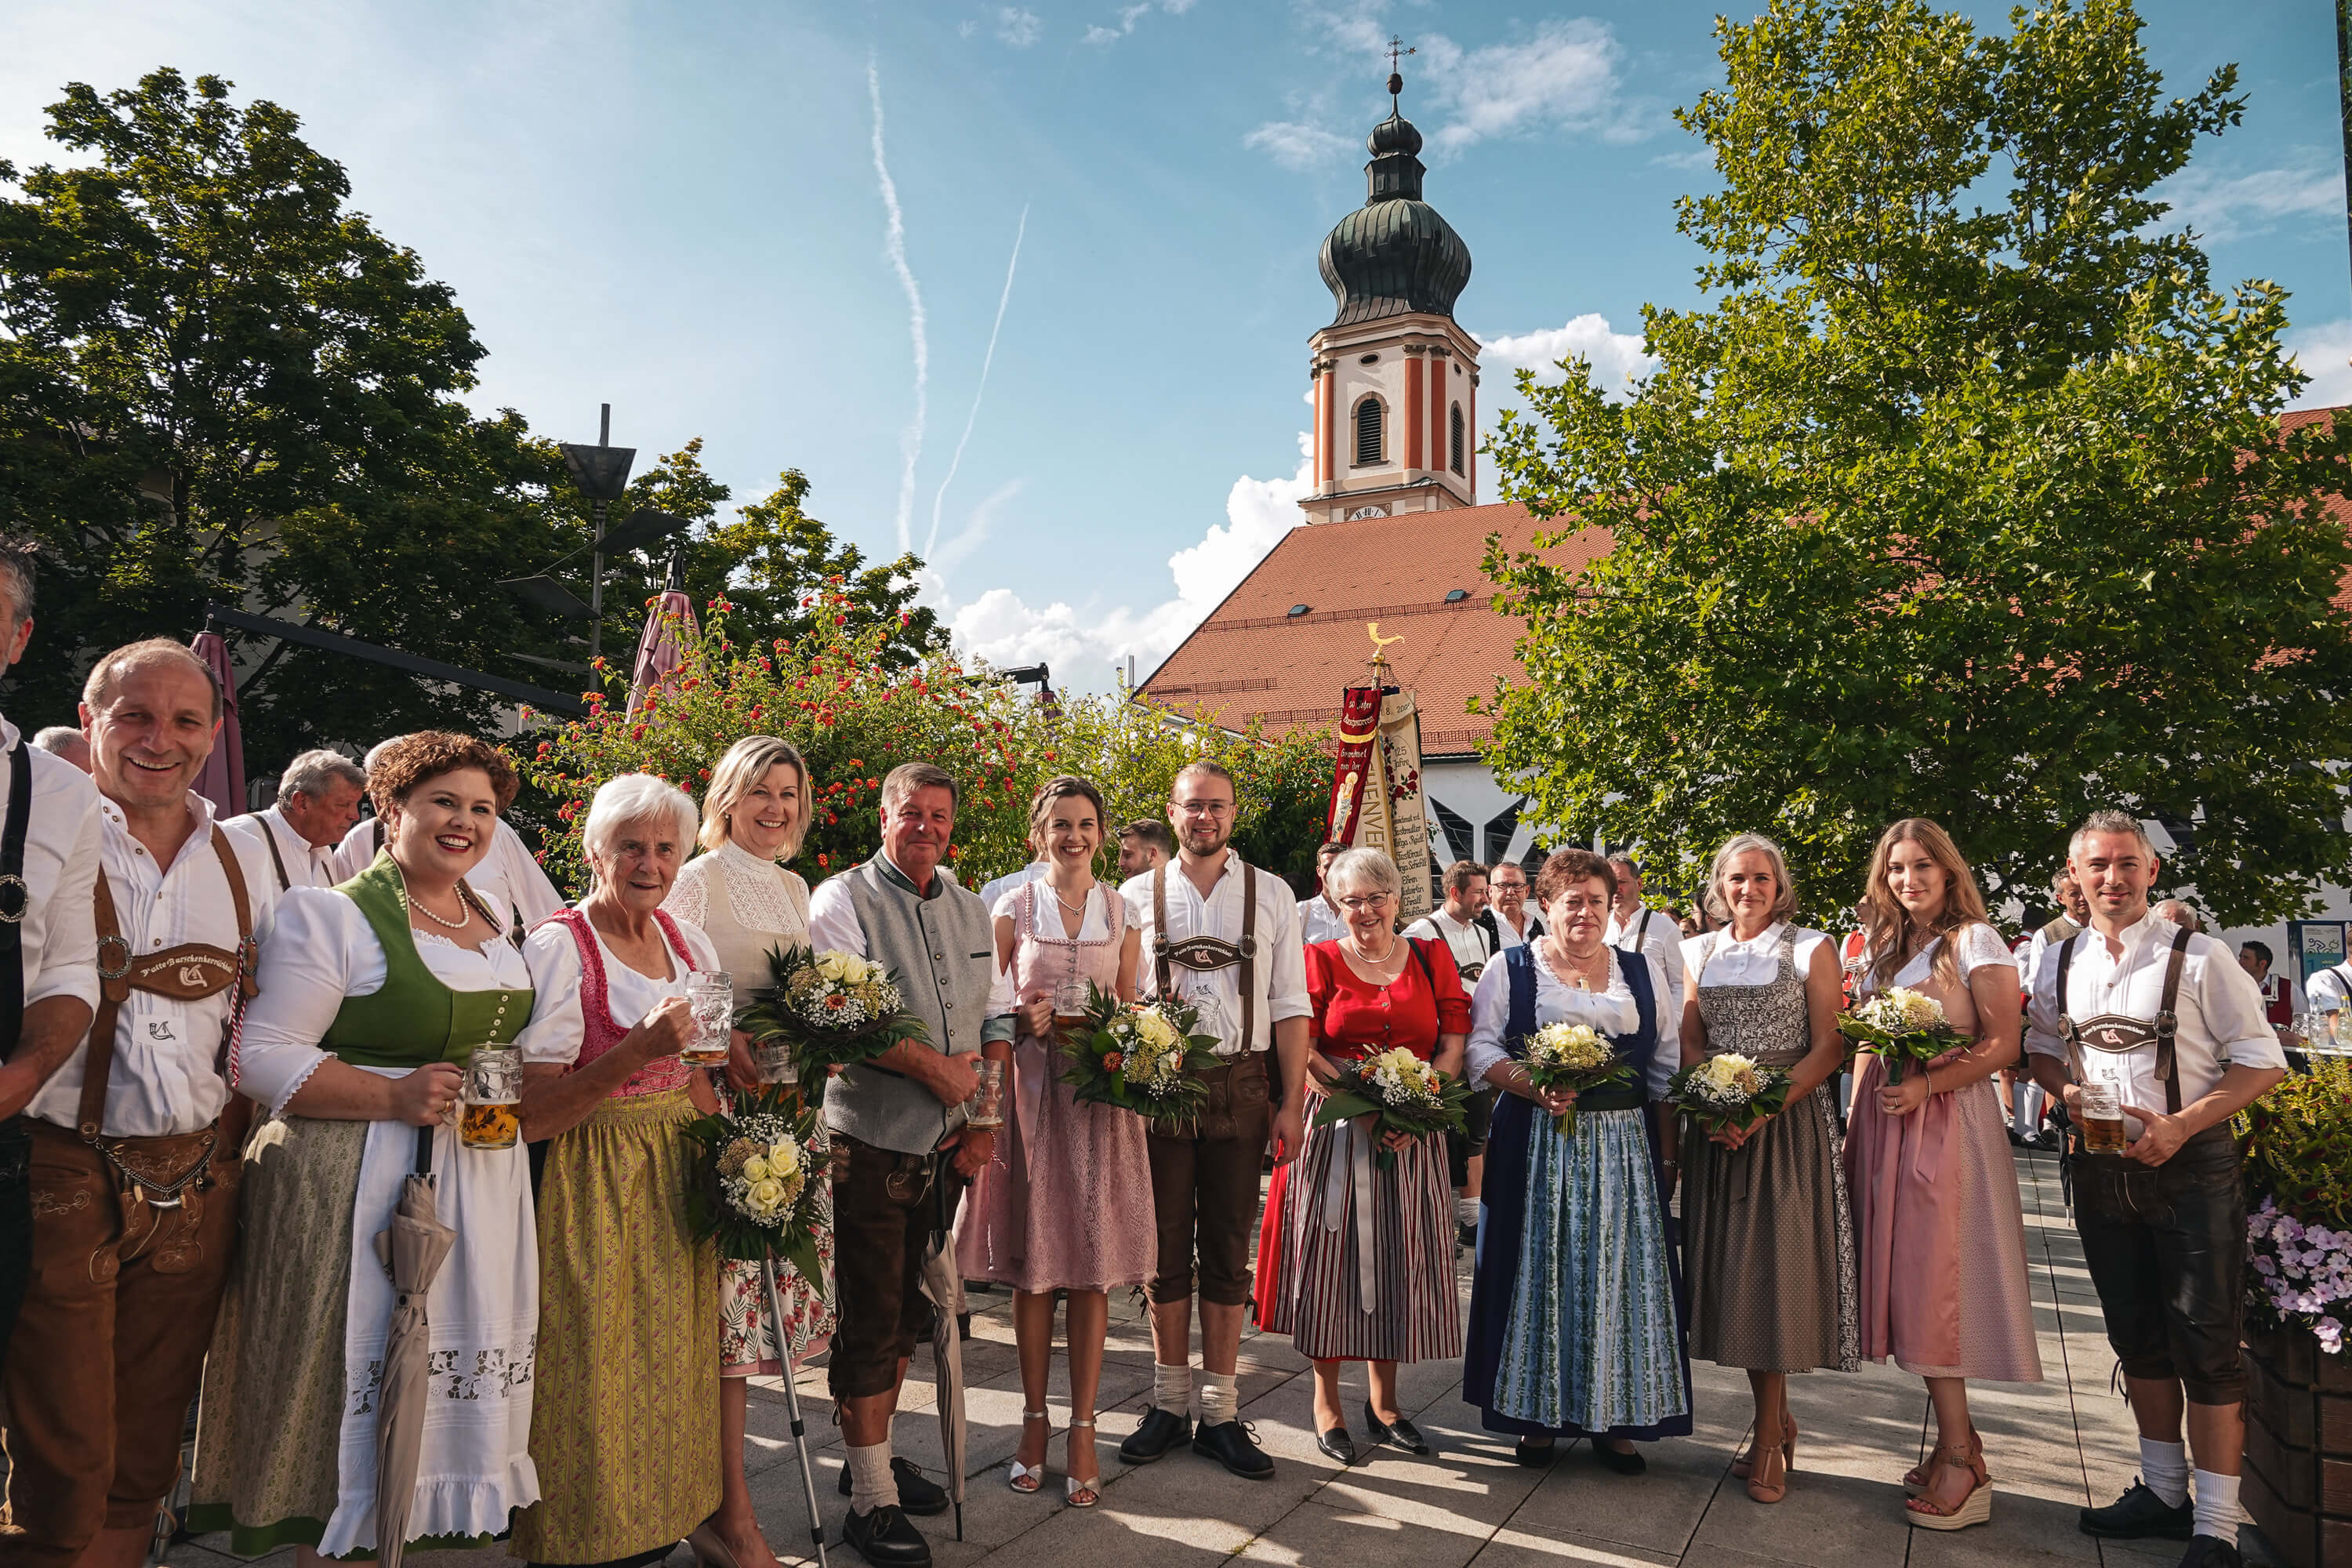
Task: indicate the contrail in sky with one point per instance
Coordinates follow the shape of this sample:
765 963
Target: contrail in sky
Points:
982 390
894 246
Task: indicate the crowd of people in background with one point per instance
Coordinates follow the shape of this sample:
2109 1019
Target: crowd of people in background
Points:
225 1046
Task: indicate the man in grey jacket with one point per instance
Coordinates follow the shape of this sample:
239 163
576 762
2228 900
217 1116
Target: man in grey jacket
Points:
901 1151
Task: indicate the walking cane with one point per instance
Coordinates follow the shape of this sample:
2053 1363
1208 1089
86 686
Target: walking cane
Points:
793 1406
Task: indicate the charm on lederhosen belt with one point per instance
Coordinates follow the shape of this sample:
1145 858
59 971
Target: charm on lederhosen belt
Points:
168 1173
2116 1033
1206 954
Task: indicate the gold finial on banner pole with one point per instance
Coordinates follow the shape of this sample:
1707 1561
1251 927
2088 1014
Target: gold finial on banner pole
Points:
1381 671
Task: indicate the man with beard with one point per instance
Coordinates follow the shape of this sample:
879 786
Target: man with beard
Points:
1221 936
137 1138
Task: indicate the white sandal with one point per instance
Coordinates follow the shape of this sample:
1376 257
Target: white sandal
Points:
1026 1479
1073 1487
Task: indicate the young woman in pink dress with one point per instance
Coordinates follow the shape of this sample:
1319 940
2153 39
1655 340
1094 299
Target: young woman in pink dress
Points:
1928 1169
1065 1204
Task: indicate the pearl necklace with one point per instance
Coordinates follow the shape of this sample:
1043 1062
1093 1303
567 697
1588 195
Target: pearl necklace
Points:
1356 951
465 910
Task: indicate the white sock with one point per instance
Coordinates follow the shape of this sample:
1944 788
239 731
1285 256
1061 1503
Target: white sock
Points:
871 1483
1171 1388
2217 1506
1466 1211
1219 1403
2165 1467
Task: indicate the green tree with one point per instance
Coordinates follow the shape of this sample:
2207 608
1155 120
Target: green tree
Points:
219 382
1964 495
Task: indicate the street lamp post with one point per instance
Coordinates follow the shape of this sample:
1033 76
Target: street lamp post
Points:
601 472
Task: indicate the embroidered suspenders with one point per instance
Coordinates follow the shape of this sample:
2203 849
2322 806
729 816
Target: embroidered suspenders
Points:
1206 954
2116 1035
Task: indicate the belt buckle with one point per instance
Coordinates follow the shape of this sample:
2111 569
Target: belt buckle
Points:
111 971
16 898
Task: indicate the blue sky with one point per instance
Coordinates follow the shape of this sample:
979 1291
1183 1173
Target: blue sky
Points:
694 211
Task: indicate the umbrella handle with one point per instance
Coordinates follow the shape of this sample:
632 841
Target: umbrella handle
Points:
424 1167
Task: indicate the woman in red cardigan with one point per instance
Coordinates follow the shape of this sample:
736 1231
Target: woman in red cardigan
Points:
1355 1263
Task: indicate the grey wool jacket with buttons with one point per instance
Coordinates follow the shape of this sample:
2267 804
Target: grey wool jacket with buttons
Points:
943 950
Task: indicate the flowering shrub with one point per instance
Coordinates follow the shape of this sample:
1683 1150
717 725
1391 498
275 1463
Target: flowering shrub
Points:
835 694
2298 1145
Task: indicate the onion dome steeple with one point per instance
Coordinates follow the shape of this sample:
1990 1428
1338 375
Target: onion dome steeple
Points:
1394 256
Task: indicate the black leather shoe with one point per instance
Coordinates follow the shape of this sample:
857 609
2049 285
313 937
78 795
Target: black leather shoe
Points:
1535 1455
886 1539
1608 1458
1235 1445
917 1493
1400 1433
1158 1431
1337 1445
2140 1515
2210 1552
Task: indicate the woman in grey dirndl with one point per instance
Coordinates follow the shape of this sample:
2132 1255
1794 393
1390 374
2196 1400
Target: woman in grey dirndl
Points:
1768 1247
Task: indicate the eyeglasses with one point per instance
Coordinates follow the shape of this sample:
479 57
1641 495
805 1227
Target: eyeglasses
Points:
1364 902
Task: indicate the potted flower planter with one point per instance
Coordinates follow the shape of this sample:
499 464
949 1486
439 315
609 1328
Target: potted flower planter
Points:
2298 1476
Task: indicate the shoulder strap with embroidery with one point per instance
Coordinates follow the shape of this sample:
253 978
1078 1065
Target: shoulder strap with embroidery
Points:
1249 956
1159 930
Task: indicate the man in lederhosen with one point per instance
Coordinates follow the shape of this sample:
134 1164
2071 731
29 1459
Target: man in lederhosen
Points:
48 965
136 1137
318 802
2169 1019
1224 936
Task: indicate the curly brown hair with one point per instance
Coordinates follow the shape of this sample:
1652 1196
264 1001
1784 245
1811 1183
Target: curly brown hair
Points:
1563 868
414 760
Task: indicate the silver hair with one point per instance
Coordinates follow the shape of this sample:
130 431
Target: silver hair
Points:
1363 866
1784 902
312 772
2179 914
747 762
2111 821
638 797
16 577
59 738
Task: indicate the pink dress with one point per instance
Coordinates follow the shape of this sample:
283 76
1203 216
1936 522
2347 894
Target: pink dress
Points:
1067 1202
1937 1221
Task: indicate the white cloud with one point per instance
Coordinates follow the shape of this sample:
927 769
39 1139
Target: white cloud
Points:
1128 15
2325 351
894 250
1295 145
1019 28
1082 642
2223 207
1616 357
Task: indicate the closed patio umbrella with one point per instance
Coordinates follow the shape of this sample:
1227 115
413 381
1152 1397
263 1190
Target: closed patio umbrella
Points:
661 648
413 1247
940 1285
223 780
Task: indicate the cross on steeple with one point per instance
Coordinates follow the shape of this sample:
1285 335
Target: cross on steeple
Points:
1396 51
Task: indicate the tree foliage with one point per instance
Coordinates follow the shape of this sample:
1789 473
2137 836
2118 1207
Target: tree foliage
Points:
834 693
1964 495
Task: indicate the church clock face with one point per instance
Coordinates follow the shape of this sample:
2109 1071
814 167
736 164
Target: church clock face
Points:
1364 511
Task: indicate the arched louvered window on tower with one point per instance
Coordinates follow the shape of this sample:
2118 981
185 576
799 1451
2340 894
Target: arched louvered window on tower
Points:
1368 431
1457 439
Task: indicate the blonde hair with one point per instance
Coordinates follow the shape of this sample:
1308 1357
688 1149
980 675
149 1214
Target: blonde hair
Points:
747 762
1892 933
1784 902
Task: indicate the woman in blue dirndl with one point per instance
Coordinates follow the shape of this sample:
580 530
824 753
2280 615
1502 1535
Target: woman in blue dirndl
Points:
1576 1322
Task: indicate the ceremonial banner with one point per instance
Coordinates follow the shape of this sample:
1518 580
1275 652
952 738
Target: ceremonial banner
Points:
1376 801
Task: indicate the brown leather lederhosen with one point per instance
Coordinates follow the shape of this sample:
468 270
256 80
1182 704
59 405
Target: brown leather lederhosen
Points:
168 1175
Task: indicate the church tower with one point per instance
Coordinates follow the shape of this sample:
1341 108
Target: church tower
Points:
1396 380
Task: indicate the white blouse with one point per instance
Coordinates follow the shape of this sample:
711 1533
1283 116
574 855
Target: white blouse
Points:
1613 1011
1002 998
323 951
1756 961
558 1023
763 895
1979 945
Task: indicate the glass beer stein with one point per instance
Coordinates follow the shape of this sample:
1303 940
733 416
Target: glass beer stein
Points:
2102 1107
711 993
487 1117
1070 1005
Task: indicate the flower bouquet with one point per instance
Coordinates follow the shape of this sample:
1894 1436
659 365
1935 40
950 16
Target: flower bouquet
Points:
758 1180
1400 1093
1729 1090
1572 1056
832 1009
1139 1058
1903 1026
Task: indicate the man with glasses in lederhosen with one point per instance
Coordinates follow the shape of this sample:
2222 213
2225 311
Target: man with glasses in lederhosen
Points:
48 948
1222 936
2166 1018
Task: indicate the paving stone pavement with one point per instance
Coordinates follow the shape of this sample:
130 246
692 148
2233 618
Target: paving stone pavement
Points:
2050 1447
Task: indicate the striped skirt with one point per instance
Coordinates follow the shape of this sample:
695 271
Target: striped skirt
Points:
1592 1342
1363 1259
626 1427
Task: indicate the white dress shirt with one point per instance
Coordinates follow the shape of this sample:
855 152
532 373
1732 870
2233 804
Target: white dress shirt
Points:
2220 1010
1660 936
509 879
2330 990
559 1022
308 865
163 1080
1278 971
62 851
1317 921
1465 939
992 892
1512 938
1610 1012
1756 961
323 951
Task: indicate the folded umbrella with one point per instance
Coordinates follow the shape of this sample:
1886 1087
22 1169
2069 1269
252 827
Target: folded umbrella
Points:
413 1247
223 779
941 1285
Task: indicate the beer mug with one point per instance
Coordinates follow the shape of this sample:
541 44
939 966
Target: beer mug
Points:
488 1096
711 993
1070 1005
2101 1105
1210 1008
987 1106
774 1064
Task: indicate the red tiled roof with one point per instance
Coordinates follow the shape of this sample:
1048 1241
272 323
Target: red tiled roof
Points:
1252 656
